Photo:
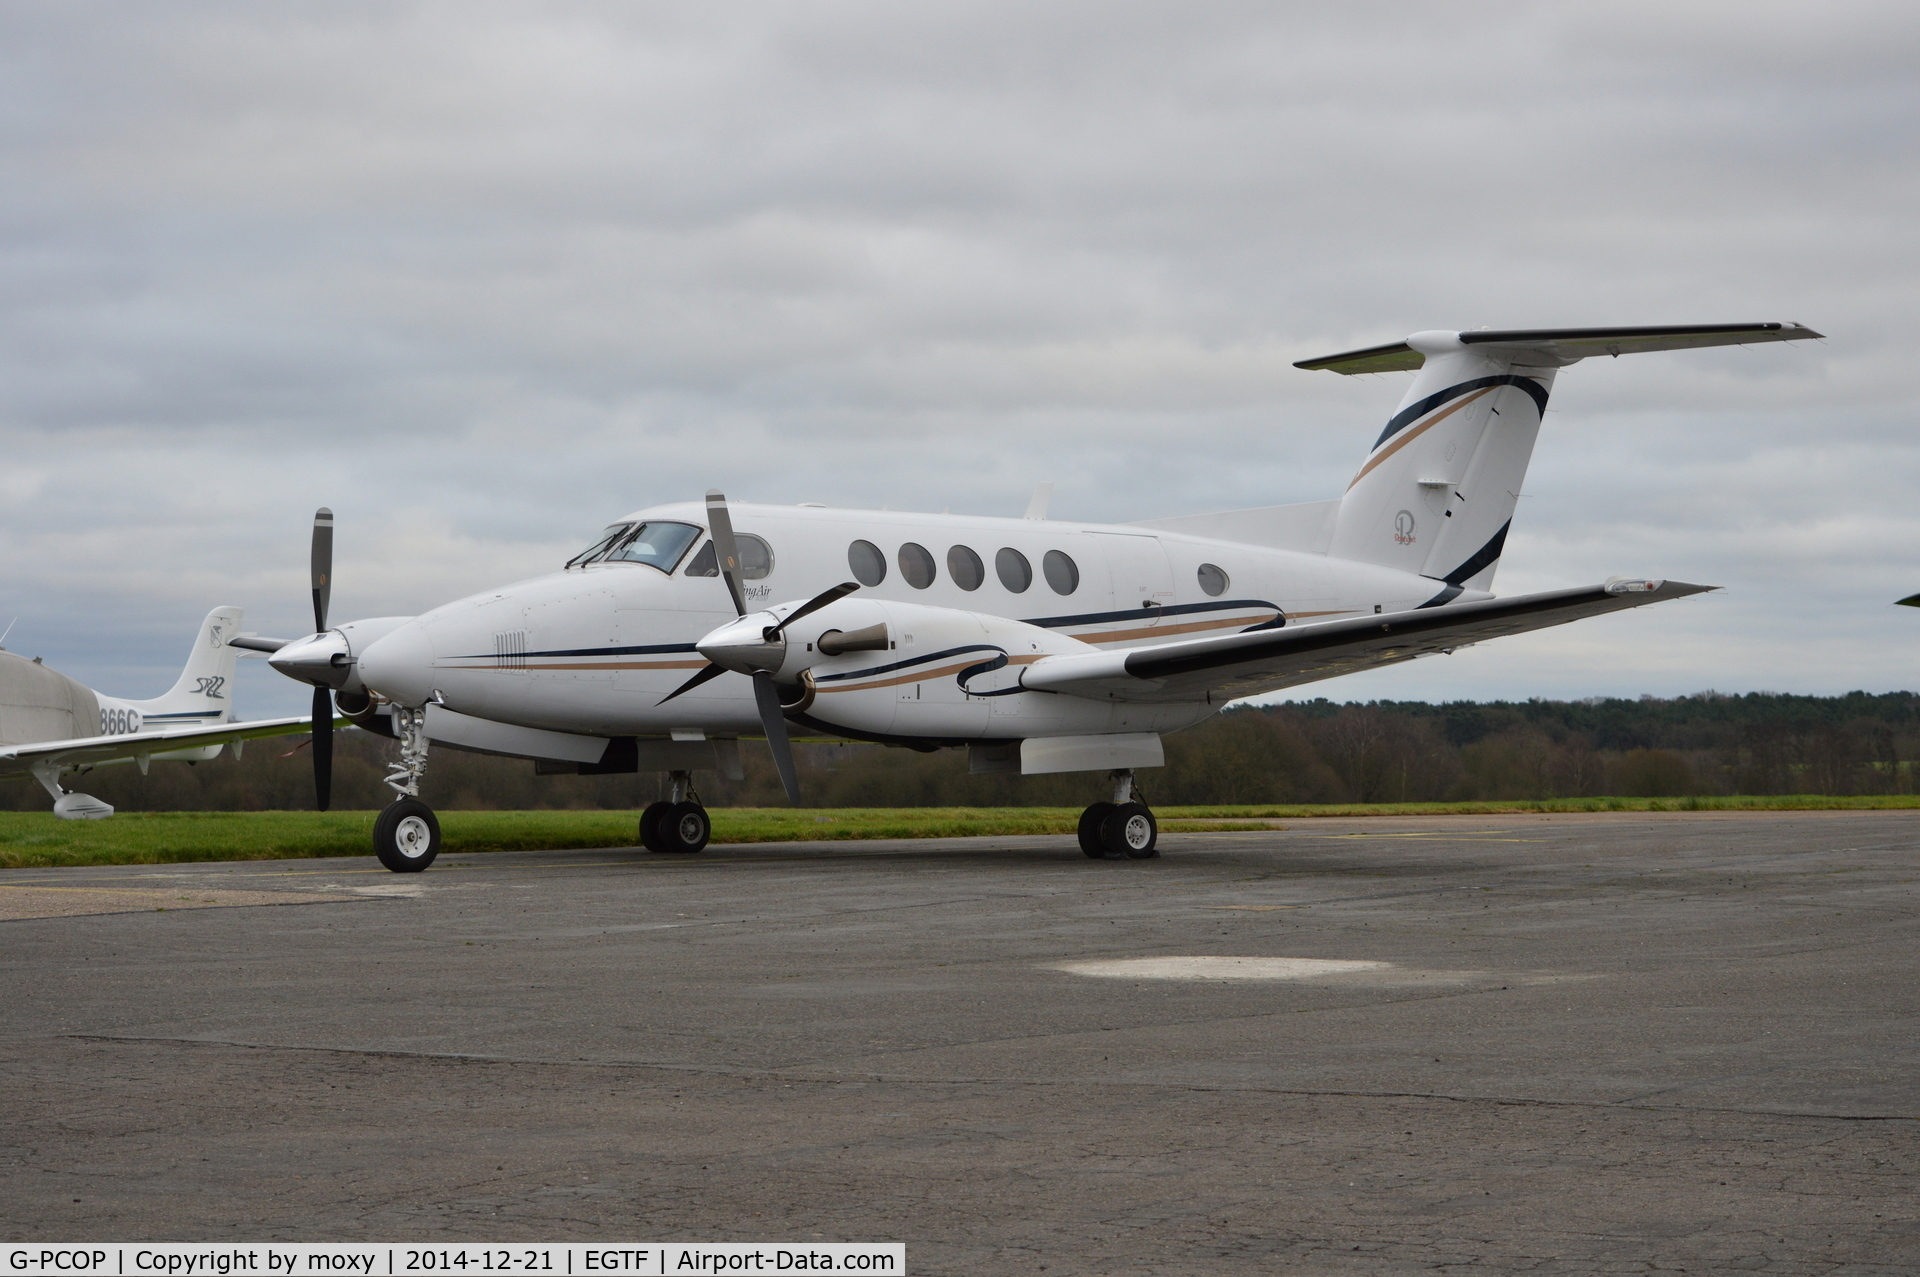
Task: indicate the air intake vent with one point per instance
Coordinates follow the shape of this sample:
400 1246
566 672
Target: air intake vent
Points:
510 650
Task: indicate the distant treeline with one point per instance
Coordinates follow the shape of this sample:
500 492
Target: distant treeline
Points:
1300 752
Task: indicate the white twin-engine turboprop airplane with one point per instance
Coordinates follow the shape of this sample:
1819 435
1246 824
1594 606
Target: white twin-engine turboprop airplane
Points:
1041 646
51 725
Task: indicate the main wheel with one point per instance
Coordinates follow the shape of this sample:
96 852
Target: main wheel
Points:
406 836
1131 830
650 836
1090 820
685 828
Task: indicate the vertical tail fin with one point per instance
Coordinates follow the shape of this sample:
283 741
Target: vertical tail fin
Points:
204 691
1437 491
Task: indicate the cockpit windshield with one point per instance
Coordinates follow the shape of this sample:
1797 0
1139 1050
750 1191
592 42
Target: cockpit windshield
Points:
658 545
599 547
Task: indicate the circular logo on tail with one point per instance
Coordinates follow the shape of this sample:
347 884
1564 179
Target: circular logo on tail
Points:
1403 528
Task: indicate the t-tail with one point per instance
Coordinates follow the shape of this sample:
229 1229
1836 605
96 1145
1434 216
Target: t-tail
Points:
1437 492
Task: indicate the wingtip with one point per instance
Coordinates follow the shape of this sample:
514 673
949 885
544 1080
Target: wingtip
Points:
1654 587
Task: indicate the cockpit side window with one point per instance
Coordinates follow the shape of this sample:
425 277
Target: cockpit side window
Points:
756 559
658 545
598 548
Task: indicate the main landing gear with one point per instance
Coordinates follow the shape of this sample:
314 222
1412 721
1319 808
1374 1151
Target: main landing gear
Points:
1122 827
677 825
406 836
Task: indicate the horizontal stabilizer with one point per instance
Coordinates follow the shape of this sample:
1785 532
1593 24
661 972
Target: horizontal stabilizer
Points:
1561 346
1228 667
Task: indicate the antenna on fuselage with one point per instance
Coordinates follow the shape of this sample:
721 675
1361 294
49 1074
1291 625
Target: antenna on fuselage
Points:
1042 495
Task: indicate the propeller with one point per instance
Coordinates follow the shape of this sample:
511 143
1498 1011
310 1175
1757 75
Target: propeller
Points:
322 697
771 646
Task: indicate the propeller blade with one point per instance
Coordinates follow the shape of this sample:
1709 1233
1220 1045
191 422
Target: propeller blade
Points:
706 675
725 549
322 748
814 604
767 697
322 567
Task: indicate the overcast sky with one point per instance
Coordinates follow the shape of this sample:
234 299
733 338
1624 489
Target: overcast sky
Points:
480 277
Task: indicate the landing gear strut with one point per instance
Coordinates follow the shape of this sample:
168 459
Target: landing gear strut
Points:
1121 827
406 836
677 825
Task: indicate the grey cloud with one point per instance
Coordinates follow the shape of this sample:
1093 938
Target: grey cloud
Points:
481 276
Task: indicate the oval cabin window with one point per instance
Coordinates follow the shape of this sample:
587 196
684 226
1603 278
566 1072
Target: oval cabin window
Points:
965 567
1014 571
916 564
868 565
1063 574
1213 581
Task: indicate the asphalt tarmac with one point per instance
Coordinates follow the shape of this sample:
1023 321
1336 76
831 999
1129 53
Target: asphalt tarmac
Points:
1613 1043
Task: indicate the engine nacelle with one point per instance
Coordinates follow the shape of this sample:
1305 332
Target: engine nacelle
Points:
943 675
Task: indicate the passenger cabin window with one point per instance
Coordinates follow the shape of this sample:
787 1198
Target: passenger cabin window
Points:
916 564
658 545
1213 581
1062 573
756 559
1013 570
599 547
965 567
868 565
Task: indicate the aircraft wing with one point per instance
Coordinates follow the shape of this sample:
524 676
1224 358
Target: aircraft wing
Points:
1229 666
84 750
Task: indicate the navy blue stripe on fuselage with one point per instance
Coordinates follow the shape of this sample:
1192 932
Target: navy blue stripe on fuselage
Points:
910 661
1044 622
1135 614
1413 412
653 649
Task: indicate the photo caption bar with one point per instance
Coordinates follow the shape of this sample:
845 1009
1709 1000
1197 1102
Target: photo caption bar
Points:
371 1259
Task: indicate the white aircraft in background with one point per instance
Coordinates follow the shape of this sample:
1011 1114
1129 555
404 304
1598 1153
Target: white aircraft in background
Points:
1041 646
51 725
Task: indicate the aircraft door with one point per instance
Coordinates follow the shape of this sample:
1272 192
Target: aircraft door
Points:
1138 573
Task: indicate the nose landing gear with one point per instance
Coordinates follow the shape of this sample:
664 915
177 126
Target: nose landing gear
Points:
679 824
406 836
1122 827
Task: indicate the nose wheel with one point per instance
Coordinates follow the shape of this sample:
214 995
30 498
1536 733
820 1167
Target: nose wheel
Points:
1124 827
406 836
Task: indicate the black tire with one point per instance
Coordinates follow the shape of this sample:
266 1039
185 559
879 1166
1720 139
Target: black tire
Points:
650 819
1131 831
406 836
685 829
1090 821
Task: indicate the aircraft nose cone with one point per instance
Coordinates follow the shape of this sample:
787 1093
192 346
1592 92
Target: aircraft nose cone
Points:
741 646
400 666
321 659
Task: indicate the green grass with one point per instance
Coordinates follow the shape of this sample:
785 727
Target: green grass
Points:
35 839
